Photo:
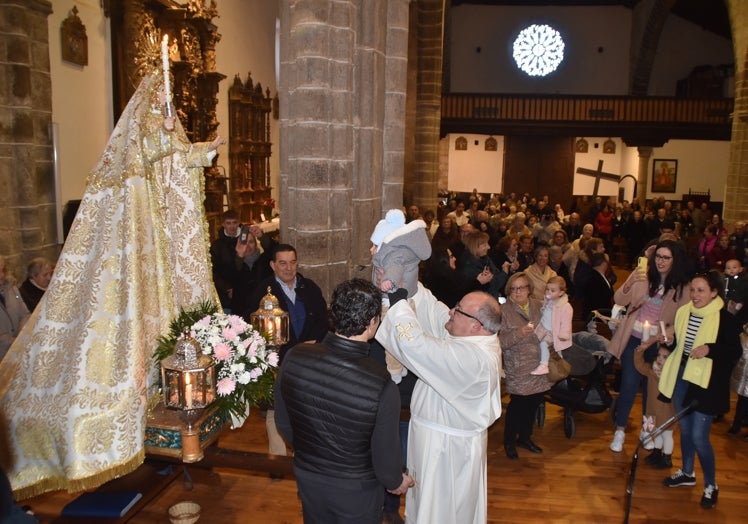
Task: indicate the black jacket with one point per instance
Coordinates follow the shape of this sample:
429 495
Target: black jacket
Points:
339 411
724 352
230 272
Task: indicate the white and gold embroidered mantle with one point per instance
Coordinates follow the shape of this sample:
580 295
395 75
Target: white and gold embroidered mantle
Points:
73 386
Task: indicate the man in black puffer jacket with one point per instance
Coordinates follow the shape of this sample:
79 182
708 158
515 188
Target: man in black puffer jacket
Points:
340 411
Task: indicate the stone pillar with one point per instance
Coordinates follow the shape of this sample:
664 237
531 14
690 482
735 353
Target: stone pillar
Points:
642 177
342 100
27 192
736 187
430 24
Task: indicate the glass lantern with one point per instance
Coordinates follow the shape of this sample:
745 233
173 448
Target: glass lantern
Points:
271 321
188 377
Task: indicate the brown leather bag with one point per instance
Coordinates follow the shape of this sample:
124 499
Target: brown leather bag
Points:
558 368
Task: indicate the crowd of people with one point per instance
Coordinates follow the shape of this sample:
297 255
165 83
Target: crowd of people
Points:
480 287
513 268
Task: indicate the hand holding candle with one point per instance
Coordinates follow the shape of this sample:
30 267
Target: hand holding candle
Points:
664 333
645 331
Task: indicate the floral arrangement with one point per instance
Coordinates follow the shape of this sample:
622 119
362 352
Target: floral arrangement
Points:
269 202
245 367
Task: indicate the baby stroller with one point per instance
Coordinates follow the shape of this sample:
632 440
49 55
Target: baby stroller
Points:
584 389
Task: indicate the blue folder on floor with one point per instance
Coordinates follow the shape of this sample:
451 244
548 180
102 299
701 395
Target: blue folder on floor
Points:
102 504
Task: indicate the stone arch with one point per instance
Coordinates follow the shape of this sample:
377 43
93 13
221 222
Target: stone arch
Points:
652 15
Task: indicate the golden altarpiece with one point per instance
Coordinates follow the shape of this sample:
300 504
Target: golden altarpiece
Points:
193 37
250 150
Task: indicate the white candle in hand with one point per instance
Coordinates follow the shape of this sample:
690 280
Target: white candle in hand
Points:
662 329
645 331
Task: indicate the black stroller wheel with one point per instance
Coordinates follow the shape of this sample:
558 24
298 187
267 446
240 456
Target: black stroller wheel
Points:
540 415
569 425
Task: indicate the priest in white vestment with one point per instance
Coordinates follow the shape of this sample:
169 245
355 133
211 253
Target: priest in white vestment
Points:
455 353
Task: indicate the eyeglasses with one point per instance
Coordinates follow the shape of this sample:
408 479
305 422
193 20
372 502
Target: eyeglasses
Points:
519 288
461 312
662 257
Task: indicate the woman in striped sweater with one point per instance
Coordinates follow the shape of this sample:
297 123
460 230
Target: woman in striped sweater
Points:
697 373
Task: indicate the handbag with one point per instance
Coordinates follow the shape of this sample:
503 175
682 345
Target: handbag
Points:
558 368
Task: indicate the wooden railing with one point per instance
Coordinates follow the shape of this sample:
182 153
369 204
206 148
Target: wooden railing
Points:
587 109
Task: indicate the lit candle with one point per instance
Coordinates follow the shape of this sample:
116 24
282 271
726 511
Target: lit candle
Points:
645 331
165 66
188 391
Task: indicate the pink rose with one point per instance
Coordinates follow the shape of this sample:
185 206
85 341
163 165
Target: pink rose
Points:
273 359
229 333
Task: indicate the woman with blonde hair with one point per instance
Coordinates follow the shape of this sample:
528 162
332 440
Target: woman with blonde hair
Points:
539 272
520 349
477 268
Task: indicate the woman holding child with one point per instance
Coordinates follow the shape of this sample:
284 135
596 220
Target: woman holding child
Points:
706 347
520 348
652 297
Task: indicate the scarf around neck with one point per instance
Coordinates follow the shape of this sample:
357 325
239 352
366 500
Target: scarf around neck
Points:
698 370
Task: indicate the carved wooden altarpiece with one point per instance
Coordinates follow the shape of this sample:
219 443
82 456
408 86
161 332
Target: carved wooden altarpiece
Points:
250 150
136 25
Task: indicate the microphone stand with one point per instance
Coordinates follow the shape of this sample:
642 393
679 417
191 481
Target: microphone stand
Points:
635 460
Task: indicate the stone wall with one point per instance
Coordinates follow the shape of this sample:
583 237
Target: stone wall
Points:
736 187
342 104
27 193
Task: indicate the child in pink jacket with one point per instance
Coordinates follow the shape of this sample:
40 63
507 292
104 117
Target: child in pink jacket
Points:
555 323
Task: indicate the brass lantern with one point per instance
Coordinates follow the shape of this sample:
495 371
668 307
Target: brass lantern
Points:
189 385
188 377
271 321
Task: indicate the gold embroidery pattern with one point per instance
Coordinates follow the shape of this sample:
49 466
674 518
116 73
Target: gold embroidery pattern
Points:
73 385
404 331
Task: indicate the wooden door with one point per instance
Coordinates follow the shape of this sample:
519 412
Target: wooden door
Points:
540 165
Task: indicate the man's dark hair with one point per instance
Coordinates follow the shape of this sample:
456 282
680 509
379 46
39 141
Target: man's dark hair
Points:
283 247
354 303
229 214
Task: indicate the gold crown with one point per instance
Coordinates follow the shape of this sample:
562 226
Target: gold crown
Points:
147 54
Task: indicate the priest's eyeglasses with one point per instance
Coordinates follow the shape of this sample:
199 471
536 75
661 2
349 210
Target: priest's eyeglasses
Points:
459 310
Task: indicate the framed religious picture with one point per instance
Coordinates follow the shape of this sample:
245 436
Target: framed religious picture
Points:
73 39
664 175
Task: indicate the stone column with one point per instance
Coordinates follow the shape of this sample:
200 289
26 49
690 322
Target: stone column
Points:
342 99
642 177
430 23
27 192
736 187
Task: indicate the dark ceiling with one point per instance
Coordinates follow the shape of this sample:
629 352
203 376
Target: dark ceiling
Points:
710 15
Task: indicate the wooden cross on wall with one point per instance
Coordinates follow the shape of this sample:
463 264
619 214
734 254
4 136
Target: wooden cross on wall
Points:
598 174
